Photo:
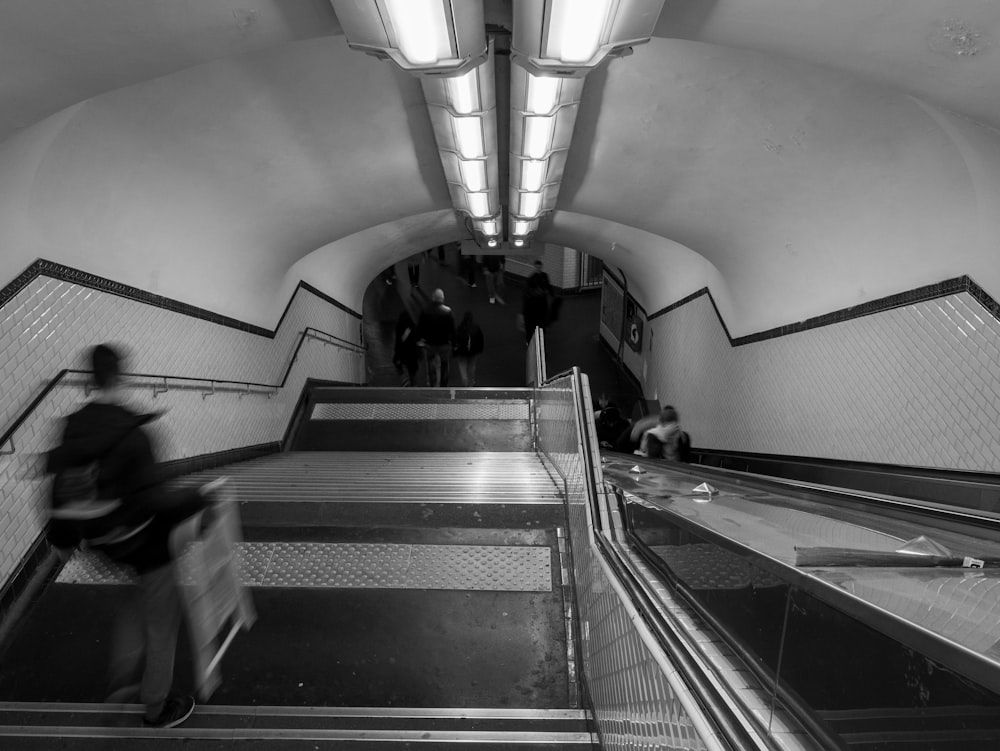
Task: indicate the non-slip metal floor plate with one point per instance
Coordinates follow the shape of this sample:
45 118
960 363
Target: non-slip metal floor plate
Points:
473 409
362 565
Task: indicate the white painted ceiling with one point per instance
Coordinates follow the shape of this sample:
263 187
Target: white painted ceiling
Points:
795 156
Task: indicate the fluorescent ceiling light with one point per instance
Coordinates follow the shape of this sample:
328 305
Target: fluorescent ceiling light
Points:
422 30
575 29
530 205
543 94
473 175
469 137
479 204
463 92
537 136
532 174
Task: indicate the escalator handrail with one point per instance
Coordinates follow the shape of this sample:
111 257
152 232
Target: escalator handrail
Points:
728 724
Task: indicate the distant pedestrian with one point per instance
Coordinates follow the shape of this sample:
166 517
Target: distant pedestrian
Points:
406 353
493 274
469 344
413 270
535 306
436 331
468 269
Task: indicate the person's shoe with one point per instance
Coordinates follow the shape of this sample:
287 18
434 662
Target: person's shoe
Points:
492 300
175 711
472 284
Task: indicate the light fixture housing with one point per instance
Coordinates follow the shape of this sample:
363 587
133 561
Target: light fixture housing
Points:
542 118
571 37
423 37
463 116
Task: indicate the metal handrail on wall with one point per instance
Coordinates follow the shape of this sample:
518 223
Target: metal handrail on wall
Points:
208 386
728 724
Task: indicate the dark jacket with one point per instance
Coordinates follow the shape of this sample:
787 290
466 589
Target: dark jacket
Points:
405 349
133 513
437 325
493 264
468 339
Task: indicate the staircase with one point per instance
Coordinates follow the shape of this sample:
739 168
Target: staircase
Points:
406 598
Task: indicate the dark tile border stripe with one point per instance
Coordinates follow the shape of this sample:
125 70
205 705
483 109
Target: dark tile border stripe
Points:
902 299
42 267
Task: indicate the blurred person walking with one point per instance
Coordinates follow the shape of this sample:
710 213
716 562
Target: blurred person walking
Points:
107 494
535 308
436 332
493 273
469 343
406 353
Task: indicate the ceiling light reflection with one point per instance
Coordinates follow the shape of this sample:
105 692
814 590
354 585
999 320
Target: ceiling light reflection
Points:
463 92
469 137
537 136
421 30
543 94
576 27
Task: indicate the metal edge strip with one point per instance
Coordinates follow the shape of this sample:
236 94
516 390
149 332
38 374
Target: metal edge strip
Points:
412 736
312 711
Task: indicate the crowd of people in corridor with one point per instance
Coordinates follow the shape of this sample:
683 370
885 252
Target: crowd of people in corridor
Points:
437 338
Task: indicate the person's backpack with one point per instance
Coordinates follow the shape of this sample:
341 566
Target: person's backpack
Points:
73 490
684 447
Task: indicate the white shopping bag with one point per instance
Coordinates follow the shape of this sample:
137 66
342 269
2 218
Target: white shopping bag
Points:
215 600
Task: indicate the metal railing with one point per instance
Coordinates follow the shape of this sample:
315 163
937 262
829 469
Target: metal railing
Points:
162 383
718 725
535 360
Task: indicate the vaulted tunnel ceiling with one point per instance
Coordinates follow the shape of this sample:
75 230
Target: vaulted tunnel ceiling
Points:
795 157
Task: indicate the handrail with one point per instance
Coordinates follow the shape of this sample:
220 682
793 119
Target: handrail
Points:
309 332
798 708
558 376
717 710
314 333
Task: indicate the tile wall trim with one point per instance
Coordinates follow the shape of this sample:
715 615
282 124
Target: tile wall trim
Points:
902 299
42 267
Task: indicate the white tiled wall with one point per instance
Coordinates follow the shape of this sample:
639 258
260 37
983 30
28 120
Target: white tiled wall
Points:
917 385
50 325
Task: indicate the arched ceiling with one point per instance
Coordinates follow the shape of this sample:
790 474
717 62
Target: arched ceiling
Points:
796 157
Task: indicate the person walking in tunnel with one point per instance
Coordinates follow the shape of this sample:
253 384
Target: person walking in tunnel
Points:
469 344
107 494
413 269
467 269
536 303
406 353
436 332
493 274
